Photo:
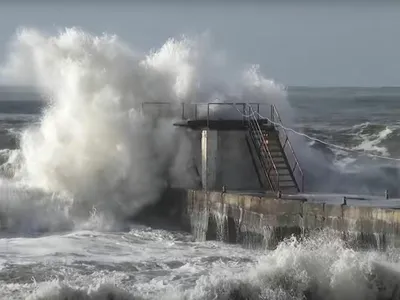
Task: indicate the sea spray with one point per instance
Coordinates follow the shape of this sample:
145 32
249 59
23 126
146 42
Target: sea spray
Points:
93 144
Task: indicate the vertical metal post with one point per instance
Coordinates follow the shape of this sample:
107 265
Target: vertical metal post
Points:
208 115
183 111
272 113
195 111
244 113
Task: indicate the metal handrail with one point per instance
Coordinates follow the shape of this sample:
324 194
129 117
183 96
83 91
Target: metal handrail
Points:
255 127
276 118
186 108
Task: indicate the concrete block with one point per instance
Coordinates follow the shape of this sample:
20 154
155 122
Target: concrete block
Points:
256 203
314 209
279 206
214 197
333 211
231 199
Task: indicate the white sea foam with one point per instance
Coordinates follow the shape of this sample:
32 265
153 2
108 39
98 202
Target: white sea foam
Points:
371 143
96 265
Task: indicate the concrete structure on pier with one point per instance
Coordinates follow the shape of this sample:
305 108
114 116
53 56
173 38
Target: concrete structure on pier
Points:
248 152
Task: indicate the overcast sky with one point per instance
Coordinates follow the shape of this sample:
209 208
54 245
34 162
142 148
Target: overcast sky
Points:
310 44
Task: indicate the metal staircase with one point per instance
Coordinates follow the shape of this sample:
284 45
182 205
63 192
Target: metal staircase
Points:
273 156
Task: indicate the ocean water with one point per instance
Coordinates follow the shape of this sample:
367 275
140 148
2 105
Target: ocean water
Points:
78 160
360 129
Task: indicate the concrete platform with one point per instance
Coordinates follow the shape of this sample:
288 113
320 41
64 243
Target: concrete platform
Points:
253 217
351 199
229 125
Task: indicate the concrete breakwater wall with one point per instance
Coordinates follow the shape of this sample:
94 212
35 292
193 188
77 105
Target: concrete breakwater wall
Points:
256 220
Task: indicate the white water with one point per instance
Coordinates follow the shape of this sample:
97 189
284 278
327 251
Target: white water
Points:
151 264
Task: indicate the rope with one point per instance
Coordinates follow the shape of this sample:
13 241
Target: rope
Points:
330 145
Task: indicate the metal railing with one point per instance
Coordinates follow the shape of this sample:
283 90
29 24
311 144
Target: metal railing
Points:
288 150
200 111
260 144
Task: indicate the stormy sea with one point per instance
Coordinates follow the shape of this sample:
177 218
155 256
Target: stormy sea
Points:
79 160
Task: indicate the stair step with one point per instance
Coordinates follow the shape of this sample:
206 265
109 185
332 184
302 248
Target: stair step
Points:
283 172
287 181
286 177
279 160
280 165
283 177
283 180
287 184
267 139
269 143
275 158
274 149
272 141
276 153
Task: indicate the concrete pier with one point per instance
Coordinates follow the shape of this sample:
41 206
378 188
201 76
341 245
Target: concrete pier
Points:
263 220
